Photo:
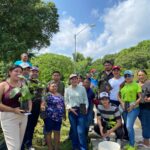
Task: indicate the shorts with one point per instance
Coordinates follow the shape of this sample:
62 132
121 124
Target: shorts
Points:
51 125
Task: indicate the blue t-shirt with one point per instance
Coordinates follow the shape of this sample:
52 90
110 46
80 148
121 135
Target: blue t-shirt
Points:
19 62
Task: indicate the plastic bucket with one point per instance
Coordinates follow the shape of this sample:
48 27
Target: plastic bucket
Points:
108 145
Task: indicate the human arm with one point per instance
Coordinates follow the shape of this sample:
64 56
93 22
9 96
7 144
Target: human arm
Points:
117 125
100 125
4 107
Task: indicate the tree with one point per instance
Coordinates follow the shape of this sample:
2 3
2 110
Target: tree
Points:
25 25
52 62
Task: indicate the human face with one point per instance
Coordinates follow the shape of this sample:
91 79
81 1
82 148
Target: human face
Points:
105 102
107 66
141 76
26 72
53 88
79 79
24 57
116 72
74 81
15 73
128 78
56 76
86 83
34 74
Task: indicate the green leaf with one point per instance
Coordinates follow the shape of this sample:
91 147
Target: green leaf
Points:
14 92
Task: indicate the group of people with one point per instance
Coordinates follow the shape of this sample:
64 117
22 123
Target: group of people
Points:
117 98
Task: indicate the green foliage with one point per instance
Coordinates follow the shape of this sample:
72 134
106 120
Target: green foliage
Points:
51 62
25 24
4 70
135 57
25 93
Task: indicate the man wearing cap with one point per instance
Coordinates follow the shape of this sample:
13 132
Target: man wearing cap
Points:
77 104
115 83
36 90
108 118
105 76
26 70
24 60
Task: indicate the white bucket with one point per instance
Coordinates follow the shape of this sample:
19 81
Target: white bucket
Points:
108 145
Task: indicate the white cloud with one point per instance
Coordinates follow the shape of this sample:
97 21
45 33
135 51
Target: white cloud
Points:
95 13
125 24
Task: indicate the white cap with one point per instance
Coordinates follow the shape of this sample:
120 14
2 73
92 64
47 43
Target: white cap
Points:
104 94
24 65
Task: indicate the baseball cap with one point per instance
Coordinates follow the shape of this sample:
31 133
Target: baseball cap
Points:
128 72
104 94
72 75
34 68
115 67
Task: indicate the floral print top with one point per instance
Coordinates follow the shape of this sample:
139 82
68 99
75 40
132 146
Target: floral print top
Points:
55 107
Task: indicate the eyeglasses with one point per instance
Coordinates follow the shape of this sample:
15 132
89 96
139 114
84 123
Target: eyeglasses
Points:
128 76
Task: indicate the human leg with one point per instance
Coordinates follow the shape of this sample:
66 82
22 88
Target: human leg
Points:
131 117
56 140
81 132
10 123
49 140
74 134
145 122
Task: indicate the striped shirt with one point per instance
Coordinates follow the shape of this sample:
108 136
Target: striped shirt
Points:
111 114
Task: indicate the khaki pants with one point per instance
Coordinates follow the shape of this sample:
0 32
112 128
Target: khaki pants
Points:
13 126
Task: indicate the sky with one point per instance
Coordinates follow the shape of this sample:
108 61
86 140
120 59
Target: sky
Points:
118 24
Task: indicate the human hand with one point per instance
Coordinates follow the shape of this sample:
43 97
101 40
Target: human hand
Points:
73 111
130 108
19 111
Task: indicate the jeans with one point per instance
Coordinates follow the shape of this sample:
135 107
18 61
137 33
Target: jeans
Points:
144 117
129 119
78 135
89 117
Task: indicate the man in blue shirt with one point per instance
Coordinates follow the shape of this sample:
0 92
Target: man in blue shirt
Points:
24 60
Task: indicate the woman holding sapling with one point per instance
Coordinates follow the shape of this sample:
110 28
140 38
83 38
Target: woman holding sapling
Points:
13 121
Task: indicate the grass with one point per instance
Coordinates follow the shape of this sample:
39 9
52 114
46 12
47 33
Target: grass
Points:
38 136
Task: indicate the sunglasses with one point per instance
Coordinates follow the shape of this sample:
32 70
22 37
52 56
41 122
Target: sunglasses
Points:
128 76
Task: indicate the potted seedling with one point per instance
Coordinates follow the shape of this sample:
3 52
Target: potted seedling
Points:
25 96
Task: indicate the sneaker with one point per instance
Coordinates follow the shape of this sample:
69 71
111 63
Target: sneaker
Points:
132 148
126 147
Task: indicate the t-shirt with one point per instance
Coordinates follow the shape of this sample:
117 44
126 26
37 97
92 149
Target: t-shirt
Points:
20 62
115 85
129 91
110 115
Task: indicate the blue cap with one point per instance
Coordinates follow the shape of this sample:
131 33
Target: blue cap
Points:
128 72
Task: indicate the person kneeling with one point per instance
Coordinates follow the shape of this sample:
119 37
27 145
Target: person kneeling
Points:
108 119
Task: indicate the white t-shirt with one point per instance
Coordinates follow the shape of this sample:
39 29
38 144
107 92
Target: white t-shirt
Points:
115 84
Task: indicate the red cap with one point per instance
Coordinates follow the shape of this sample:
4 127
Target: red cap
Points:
115 67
